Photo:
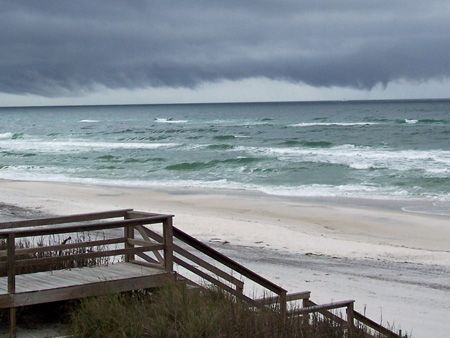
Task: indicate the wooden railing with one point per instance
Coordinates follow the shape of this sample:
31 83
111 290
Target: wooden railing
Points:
185 258
146 250
49 255
212 273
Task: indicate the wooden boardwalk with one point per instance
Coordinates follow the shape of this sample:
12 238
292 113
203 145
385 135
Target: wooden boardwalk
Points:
57 285
62 258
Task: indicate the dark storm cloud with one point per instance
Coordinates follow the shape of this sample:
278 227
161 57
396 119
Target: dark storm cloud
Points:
61 47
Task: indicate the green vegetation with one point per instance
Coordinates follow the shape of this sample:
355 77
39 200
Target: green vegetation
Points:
177 311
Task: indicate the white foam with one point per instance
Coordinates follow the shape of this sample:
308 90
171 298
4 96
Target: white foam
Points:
77 146
5 136
432 161
89 121
169 120
311 124
411 121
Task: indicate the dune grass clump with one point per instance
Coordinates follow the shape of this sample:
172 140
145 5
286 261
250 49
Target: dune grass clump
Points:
177 311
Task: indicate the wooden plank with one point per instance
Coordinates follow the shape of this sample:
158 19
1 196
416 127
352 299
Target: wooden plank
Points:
373 325
142 230
168 243
350 319
92 289
42 281
195 243
325 313
329 306
65 219
149 259
204 264
11 266
128 233
138 214
289 298
143 243
30 251
153 264
83 227
12 322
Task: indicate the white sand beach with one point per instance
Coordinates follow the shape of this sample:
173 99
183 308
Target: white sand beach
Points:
395 264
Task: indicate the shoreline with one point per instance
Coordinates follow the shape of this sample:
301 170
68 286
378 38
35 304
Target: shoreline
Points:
344 227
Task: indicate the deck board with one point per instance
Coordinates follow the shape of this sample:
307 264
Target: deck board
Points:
128 275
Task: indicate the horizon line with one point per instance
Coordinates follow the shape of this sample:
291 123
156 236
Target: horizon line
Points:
232 102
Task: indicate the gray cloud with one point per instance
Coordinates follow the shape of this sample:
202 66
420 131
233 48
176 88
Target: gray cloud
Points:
55 48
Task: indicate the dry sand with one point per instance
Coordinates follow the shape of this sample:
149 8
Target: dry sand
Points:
393 263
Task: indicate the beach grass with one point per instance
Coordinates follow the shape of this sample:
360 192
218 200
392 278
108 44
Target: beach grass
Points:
178 311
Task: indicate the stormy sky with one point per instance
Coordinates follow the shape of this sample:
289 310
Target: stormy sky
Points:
54 49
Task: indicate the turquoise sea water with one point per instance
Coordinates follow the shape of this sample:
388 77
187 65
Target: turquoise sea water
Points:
347 149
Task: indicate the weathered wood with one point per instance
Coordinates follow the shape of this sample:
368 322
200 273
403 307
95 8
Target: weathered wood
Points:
204 264
138 214
93 289
65 219
350 318
30 251
325 313
88 255
142 231
144 243
83 227
329 306
12 322
214 281
289 298
149 264
374 326
128 235
35 284
168 243
11 266
147 258
283 305
195 243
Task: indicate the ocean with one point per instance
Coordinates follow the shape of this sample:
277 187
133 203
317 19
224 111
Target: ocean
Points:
358 149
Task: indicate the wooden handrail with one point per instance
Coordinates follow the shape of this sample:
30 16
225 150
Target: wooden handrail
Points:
221 258
289 298
215 281
374 326
87 255
325 313
204 264
28 232
329 306
65 219
60 247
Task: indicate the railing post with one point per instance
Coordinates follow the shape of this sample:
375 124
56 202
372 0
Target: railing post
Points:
168 243
128 232
350 319
11 252
283 305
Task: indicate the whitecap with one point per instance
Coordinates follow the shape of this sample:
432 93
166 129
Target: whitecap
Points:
312 124
169 120
361 158
5 136
411 121
77 146
89 121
